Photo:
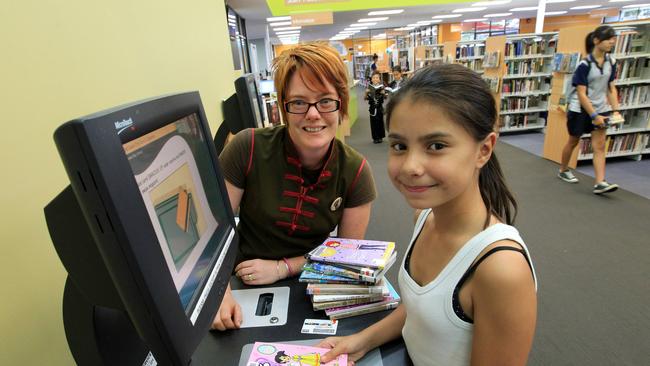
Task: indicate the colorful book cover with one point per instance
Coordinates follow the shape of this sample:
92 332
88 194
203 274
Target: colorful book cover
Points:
313 277
390 301
280 354
335 288
356 252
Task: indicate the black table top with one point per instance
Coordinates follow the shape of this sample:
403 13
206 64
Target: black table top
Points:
224 348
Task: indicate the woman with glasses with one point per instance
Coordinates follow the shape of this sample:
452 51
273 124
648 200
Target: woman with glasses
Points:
294 184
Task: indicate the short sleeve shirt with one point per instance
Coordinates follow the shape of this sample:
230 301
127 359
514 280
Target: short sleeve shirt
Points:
596 79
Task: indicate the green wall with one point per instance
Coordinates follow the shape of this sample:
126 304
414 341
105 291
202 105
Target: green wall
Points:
65 59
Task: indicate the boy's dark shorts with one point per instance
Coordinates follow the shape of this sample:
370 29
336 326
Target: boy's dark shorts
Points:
579 123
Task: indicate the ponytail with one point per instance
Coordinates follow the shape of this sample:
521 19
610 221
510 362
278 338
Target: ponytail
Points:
495 192
589 42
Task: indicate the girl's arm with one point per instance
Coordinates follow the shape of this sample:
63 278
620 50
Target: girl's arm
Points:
358 344
612 97
504 309
586 104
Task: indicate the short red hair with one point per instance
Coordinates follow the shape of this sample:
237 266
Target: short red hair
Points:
317 64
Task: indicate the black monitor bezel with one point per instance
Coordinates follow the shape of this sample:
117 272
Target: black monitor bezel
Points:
105 187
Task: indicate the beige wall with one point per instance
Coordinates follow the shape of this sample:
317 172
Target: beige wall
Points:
61 60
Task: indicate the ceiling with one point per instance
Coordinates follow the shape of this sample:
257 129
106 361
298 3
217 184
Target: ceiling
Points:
255 13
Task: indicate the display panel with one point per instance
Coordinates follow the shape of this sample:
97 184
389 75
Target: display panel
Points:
172 168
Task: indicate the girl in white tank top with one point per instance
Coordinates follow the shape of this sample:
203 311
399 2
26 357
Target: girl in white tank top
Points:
467 282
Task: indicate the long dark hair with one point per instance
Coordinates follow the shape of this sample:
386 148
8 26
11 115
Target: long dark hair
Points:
467 99
604 32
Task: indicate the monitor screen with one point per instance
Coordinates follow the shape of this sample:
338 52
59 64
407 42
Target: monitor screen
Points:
171 165
249 101
267 86
144 230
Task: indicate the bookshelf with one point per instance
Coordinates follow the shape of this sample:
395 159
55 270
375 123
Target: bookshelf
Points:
632 54
526 82
470 54
428 55
361 63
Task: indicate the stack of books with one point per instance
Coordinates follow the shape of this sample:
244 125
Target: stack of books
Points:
346 277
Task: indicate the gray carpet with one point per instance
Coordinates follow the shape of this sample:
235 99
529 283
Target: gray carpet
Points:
592 255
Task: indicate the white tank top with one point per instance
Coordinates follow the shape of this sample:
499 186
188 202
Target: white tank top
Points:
433 333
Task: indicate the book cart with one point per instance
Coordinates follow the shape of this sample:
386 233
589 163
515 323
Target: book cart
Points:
632 54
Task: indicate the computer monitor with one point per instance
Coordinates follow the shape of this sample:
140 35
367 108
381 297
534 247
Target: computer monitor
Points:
267 86
145 231
250 104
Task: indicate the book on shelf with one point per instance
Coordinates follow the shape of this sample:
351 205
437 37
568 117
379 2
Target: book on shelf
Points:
389 301
337 288
270 353
355 252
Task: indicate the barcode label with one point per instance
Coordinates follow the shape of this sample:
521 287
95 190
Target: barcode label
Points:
319 326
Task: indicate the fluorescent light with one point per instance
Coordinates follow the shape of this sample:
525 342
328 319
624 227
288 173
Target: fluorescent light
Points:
386 12
475 20
620 1
582 7
404 29
559 1
526 8
491 3
278 24
232 16
363 20
349 32
288 32
413 25
496 15
362 24
286 28
469 10
636 6
424 22
559 12
278 19
355 28
445 16
382 35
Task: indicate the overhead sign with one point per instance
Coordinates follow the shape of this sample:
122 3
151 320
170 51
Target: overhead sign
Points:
602 13
307 19
305 2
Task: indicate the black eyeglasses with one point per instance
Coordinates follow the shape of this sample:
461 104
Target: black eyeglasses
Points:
325 105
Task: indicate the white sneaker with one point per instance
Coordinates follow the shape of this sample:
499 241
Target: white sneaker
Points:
604 187
567 176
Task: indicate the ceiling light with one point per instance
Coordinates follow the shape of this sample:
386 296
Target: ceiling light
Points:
559 12
527 8
559 1
469 10
286 28
278 19
491 3
496 15
355 28
386 12
288 32
364 20
582 7
620 1
362 24
404 29
475 20
382 35
445 16
278 24
636 6
424 22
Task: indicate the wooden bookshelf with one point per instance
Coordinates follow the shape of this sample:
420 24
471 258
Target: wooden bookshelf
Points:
526 81
632 54
470 54
428 55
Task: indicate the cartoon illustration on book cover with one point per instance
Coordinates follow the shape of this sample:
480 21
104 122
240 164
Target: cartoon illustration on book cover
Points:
278 354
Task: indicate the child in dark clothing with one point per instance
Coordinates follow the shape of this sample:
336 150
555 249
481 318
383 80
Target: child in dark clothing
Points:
375 94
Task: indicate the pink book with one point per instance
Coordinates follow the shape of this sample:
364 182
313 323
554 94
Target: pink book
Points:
355 252
278 354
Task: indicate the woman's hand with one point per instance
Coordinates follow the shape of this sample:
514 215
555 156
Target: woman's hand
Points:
599 121
260 271
354 345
